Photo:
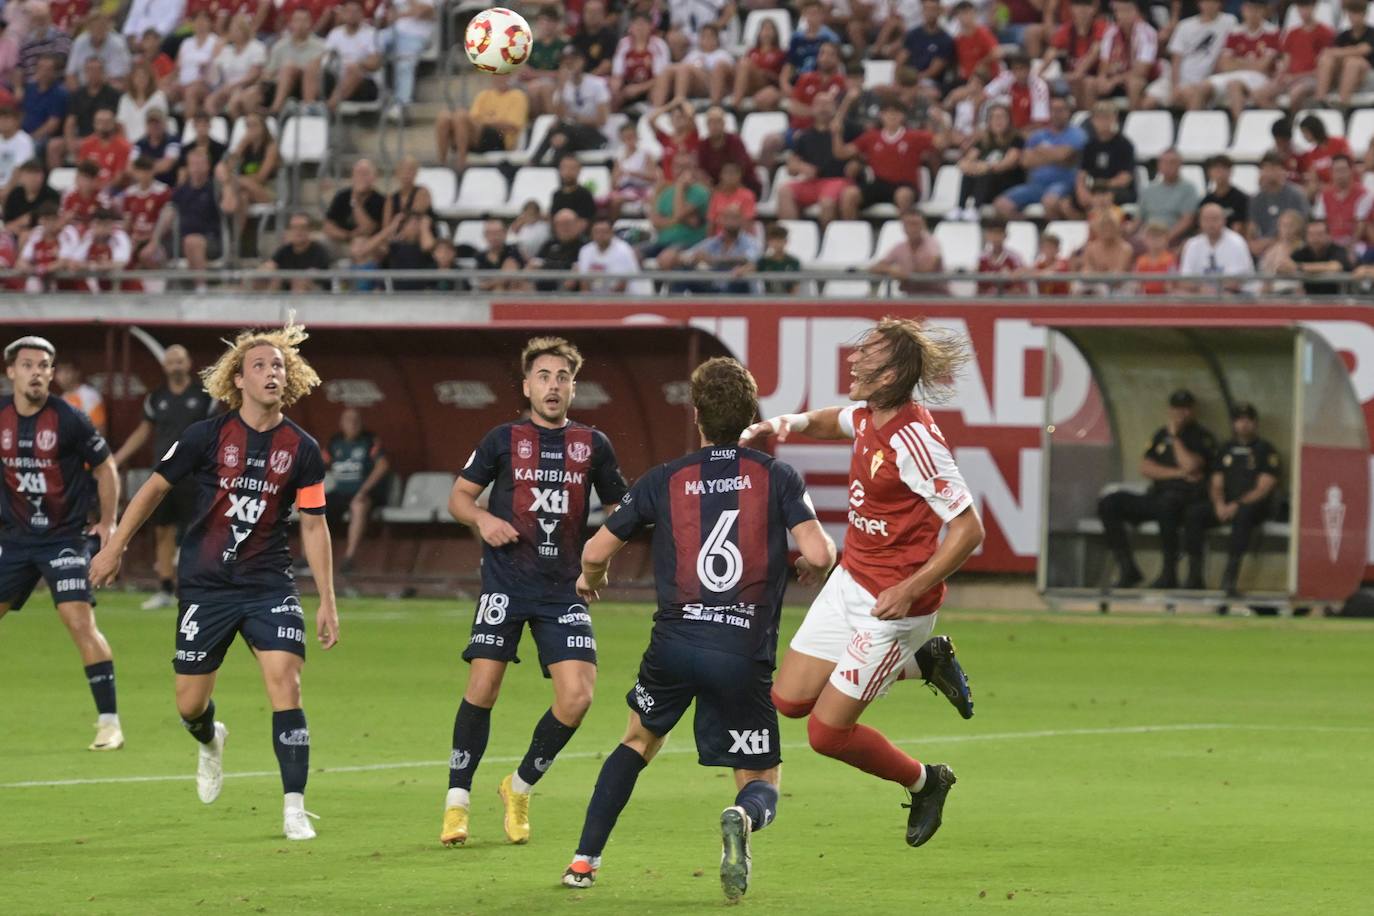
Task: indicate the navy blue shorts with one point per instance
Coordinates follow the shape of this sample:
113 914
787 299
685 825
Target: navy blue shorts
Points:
63 563
562 631
736 724
206 630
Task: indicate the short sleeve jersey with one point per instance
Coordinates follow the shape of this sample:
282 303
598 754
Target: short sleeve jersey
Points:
351 461
720 517
246 483
903 488
48 487
172 413
1240 465
541 480
1195 438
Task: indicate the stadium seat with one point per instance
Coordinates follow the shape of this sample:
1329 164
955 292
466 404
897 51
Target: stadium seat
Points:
768 206
890 235
304 138
531 183
944 193
759 125
1072 233
1361 130
442 185
483 190
1202 134
754 21
1195 176
597 179
879 73
1245 176
219 130
1252 138
803 239
847 243
1023 238
960 245
731 123
538 130
469 232
1332 119
425 499
62 179
241 127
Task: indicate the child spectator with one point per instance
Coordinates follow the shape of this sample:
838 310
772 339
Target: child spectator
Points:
1155 259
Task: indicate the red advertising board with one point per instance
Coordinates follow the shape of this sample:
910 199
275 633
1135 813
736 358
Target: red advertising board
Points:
1332 548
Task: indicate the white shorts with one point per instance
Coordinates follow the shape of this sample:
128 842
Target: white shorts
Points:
868 652
1252 80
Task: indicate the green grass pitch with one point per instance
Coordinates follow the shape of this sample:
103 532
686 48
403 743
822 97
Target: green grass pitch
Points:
1116 765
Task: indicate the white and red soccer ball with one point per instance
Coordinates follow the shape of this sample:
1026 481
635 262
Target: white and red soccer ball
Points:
498 40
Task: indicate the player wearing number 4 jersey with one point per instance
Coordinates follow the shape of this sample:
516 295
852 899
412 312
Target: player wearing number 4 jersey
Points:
720 516
869 626
249 466
541 472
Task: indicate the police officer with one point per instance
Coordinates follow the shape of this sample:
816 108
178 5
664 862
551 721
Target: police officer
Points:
1176 465
1244 479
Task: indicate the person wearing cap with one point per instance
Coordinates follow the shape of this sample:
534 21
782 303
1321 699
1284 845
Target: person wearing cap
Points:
1176 465
1245 477
581 103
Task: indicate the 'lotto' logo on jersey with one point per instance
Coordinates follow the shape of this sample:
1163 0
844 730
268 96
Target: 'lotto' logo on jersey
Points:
281 461
580 452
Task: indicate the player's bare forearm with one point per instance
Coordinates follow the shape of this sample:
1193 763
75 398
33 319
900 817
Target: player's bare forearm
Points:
319 554
596 563
823 423
817 552
964 536
107 487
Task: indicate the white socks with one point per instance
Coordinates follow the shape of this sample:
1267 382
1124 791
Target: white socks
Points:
457 798
108 718
919 784
519 785
293 801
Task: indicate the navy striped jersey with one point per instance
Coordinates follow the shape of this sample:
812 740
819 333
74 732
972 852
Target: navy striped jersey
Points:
246 482
49 490
721 517
351 461
540 479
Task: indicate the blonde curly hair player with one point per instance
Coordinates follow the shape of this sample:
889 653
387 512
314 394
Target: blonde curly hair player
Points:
250 466
870 625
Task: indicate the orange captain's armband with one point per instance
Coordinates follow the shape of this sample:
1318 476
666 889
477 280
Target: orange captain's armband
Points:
311 497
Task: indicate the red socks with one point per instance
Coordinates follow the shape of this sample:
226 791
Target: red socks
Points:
864 748
792 709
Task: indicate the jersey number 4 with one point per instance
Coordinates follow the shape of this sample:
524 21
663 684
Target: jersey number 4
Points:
719 564
189 628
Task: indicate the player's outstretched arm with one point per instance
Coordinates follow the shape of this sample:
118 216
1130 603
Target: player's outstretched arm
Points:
106 476
823 423
462 505
817 552
596 562
961 540
105 565
319 553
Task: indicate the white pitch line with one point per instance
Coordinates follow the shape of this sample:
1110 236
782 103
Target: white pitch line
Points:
682 749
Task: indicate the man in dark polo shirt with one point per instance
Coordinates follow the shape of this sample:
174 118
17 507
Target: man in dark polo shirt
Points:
301 252
199 224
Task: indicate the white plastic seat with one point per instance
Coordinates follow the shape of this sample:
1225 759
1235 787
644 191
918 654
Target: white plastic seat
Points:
960 244
425 499
1150 132
731 123
847 243
538 130
595 178
1245 177
241 127
1023 238
1072 235
483 190
1195 176
61 179
803 239
889 236
304 138
531 183
754 21
442 185
219 130
1361 130
944 193
879 73
758 126
469 232
1252 137
1202 134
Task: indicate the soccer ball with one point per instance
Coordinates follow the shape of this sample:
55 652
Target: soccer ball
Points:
498 40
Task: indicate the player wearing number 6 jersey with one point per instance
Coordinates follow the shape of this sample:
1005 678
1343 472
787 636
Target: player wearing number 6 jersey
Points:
541 472
720 516
869 626
249 465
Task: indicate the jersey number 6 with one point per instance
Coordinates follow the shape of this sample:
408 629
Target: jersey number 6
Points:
719 551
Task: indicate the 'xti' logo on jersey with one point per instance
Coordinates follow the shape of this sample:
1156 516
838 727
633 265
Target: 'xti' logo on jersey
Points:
246 508
554 502
32 482
749 741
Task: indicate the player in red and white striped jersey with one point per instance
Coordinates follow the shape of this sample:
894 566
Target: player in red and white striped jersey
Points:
870 624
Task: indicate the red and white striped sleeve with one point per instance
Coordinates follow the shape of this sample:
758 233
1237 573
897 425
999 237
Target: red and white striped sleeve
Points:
928 469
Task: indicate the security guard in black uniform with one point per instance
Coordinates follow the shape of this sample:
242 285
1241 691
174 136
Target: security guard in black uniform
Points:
1245 477
1176 465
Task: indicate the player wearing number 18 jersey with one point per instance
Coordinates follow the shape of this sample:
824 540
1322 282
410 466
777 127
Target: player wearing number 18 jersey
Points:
720 516
869 626
250 466
541 472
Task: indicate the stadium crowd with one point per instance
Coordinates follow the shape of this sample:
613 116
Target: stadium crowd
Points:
725 126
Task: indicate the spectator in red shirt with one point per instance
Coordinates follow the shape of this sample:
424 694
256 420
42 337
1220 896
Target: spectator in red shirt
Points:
1345 204
143 202
1128 59
69 15
1296 74
1315 164
1246 67
1027 96
975 47
84 197
1050 261
997 258
729 194
640 66
43 249
719 147
893 153
104 246
828 76
1076 44
757 72
1156 259
681 136
150 52
107 148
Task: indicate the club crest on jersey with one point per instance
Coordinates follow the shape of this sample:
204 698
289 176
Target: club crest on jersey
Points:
45 441
230 458
875 462
7 440
580 452
945 489
281 461
525 449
